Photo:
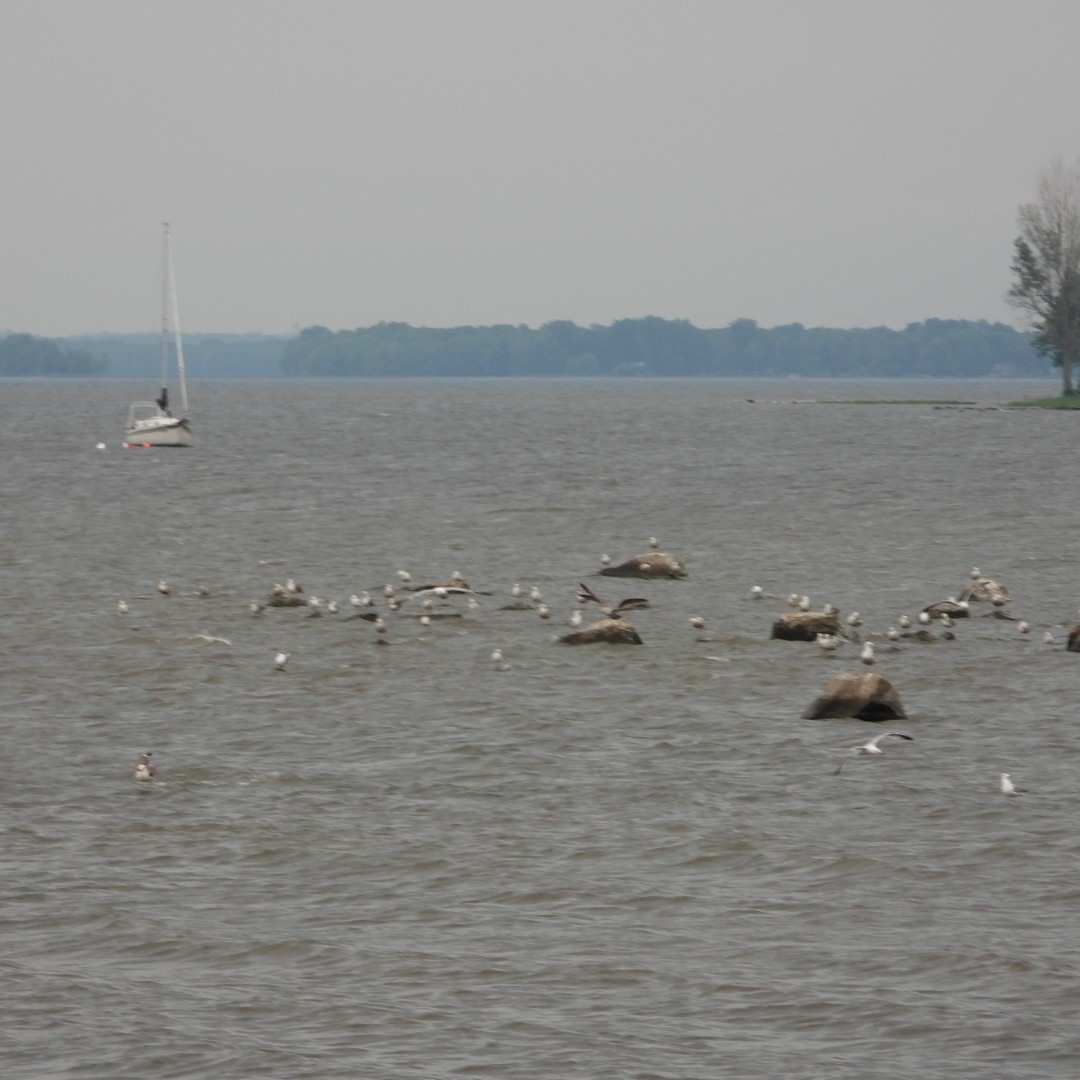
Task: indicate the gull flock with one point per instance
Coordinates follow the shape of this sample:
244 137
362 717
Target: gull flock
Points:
453 597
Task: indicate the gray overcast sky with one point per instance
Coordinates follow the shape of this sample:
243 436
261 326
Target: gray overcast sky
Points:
345 162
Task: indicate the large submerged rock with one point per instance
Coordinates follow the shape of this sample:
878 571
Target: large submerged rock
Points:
285 599
613 631
952 609
654 564
806 625
1073 644
865 697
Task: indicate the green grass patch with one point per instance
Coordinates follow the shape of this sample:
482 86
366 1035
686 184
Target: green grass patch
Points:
1071 402
895 401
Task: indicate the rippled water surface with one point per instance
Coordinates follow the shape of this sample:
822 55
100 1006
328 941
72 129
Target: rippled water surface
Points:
407 860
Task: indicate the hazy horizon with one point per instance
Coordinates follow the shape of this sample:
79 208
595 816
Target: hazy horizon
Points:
336 163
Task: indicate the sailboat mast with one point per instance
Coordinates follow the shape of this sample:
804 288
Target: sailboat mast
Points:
174 308
165 314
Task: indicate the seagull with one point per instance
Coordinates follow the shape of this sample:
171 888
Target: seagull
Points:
654 543
924 618
122 607
587 596
1024 626
892 634
535 595
872 747
757 592
829 642
516 591
332 607
164 588
697 622
854 619
605 559
1048 638
793 600
99 446
804 603
256 608
1008 787
975 573
427 597
144 771
404 577
363 600
280 660
543 611
496 656
204 591
905 622
293 585
867 655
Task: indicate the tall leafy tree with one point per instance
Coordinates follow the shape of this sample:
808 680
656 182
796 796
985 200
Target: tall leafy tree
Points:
1046 266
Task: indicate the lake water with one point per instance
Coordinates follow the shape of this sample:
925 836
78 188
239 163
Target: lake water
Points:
630 862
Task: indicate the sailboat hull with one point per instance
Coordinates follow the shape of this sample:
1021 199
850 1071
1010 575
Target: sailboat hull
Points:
163 431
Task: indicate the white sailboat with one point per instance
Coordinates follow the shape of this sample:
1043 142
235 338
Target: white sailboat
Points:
151 423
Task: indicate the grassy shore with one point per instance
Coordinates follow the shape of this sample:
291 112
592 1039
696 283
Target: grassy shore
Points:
1062 402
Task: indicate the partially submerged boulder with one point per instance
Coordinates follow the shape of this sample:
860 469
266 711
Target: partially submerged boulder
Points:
286 599
654 564
865 697
806 625
983 590
614 631
954 609
1073 644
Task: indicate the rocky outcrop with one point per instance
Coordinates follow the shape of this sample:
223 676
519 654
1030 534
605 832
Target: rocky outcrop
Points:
613 631
285 599
1073 644
954 609
654 564
805 625
865 697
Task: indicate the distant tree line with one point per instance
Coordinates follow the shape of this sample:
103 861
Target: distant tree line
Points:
24 354
630 347
666 347
206 356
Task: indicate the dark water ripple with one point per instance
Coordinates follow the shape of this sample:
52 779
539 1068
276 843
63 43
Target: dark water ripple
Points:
408 861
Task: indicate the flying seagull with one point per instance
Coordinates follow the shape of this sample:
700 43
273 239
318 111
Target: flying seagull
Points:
587 596
872 747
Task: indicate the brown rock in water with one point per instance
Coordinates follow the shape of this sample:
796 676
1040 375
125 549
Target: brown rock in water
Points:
953 608
805 625
614 631
654 564
1073 644
986 589
285 599
865 697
